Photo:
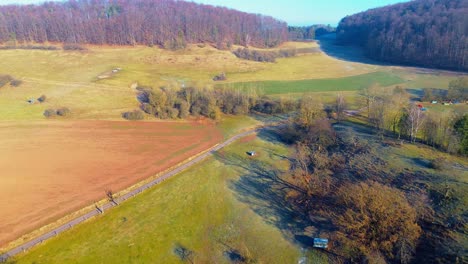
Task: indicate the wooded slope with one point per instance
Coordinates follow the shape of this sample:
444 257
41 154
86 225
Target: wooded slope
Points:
430 33
168 23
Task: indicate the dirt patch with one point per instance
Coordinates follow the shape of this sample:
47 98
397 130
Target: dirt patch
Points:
51 168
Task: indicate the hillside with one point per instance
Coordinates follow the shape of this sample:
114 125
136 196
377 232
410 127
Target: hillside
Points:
167 23
423 33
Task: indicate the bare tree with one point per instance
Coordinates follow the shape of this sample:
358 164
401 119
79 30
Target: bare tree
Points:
310 110
369 94
340 107
415 120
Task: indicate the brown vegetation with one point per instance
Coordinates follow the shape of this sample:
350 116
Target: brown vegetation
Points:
377 219
172 103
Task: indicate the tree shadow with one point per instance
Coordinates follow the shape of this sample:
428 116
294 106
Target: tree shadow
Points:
262 188
234 256
270 134
184 254
350 53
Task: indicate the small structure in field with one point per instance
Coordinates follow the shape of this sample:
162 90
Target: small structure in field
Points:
434 102
320 243
251 153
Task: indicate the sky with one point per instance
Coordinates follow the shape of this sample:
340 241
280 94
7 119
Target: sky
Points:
295 12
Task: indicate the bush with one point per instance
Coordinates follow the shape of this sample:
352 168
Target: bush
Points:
42 99
437 164
16 83
29 47
63 111
220 77
264 56
255 55
133 115
49 113
73 47
4 79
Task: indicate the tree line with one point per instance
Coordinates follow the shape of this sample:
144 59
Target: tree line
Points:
174 103
168 23
424 33
457 92
308 32
391 113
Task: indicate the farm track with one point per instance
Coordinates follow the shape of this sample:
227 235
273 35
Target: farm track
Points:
99 210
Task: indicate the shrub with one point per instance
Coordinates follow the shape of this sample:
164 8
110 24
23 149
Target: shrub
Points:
220 77
63 111
42 98
29 47
16 82
437 164
133 115
255 55
73 47
49 113
264 56
4 79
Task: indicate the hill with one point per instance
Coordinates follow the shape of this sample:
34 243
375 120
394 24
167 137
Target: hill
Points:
423 33
167 23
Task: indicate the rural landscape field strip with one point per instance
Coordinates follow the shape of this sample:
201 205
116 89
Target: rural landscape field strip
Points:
351 83
122 198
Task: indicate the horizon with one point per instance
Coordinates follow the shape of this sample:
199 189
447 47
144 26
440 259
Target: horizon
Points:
302 13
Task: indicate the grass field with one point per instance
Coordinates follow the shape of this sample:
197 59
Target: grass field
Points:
214 210
51 168
70 78
352 83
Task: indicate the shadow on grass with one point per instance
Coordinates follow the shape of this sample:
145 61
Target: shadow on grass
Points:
264 191
185 255
350 53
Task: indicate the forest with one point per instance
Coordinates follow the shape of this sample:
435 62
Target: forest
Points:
309 32
167 23
422 33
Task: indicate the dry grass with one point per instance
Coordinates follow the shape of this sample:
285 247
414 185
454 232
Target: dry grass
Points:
70 78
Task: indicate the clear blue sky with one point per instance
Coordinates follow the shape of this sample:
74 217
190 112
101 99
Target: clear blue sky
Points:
295 12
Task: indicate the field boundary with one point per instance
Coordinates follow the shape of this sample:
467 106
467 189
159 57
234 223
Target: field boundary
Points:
71 220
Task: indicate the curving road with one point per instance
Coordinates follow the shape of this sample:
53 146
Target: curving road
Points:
97 211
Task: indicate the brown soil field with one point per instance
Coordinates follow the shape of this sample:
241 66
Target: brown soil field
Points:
51 168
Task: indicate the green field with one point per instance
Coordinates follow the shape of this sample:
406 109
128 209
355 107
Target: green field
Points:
214 209
352 83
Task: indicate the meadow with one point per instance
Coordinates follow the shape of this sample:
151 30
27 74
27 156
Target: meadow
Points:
155 223
352 83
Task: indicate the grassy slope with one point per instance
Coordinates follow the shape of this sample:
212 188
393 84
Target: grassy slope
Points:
70 78
198 209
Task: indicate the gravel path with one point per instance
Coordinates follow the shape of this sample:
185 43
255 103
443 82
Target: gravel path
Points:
107 206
